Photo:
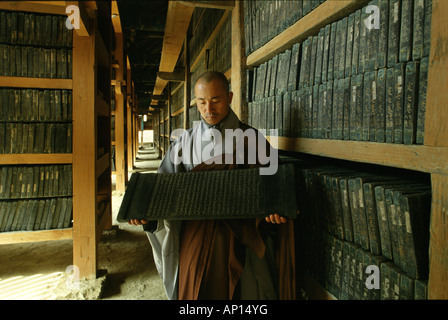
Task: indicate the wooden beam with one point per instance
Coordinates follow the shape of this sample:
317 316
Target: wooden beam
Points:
177 22
238 73
130 138
176 26
438 245
225 5
90 5
84 29
160 97
129 124
50 7
120 112
436 115
187 83
52 3
172 76
37 83
35 236
436 135
116 20
36 158
412 157
84 157
119 85
102 164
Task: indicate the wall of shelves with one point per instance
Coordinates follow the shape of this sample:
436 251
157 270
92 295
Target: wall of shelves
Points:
429 157
90 156
38 73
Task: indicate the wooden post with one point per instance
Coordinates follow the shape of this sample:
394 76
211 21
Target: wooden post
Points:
84 156
161 133
130 102
136 130
238 75
436 134
187 82
120 109
168 124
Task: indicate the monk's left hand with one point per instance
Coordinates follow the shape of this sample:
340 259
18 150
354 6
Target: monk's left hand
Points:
275 219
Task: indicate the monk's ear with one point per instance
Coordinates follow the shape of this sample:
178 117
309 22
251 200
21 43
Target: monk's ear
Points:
230 97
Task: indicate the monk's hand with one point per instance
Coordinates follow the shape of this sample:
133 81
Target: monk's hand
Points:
275 219
137 222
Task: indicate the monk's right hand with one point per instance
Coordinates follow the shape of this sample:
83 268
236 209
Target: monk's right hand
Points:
137 222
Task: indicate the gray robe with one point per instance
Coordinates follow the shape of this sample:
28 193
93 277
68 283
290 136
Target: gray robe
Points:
192 147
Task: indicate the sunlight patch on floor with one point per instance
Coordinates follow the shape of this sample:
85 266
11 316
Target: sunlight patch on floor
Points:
35 287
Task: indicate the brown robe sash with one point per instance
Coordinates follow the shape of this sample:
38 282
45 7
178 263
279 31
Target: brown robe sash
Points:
211 258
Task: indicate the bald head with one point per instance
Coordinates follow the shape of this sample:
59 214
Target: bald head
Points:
209 76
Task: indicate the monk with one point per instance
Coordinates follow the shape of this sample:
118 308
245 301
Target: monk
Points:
221 259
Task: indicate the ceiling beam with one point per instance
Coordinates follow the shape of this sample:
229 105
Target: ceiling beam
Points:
162 97
116 20
226 5
178 76
177 22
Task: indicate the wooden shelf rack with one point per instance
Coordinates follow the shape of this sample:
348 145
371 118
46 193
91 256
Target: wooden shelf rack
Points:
431 157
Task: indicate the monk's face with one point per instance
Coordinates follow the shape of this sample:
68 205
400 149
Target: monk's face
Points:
212 100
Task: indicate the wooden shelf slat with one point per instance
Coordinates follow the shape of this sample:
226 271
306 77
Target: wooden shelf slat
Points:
34 236
412 157
37 83
177 112
50 7
36 158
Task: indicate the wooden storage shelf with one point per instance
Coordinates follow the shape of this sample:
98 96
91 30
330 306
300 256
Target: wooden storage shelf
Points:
91 86
56 7
210 39
413 157
429 158
325 13
35 83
